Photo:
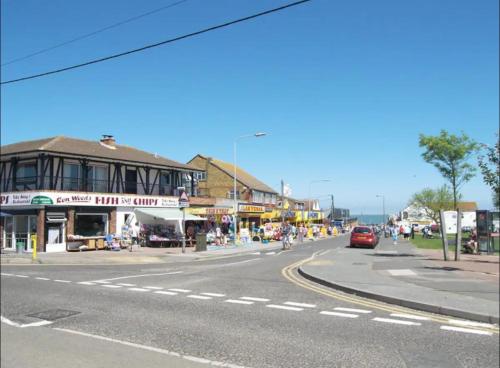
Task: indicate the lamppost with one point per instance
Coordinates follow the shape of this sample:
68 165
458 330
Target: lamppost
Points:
383 206
235 202
309 192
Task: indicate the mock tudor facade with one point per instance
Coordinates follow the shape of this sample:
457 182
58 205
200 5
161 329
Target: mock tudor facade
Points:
58 188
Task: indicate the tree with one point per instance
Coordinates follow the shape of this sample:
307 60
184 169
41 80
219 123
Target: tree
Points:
449 154
430 201
490 168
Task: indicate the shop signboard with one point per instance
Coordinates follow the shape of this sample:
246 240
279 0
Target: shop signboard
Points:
251 208
210 211
13 199
41 200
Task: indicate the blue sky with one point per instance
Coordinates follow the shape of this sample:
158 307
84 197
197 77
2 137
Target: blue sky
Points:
343 89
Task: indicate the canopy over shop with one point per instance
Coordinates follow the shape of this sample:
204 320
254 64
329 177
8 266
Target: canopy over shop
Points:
163 224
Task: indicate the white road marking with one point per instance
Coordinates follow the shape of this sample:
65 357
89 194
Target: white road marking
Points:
338 314
270 253
126 284
142 275
15 324
235 263
238 301
363 311
180 290
214 294
466 330
112 286
138 289
254 299
102 282
86 283
256 253
21 276
469 323
153 287
202 297
409 316
42 278
305 305
284 307
405 272
396 321
165 292
6 274
66 281
150 348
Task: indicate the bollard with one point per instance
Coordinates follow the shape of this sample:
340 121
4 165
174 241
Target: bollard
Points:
33 247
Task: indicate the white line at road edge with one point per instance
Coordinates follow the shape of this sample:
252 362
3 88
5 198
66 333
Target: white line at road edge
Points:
130 277
153 349
202 297
180 290
470 323
15 324
214 294
338 314
363 311
251 298
240 262
284 307
466 330
300 304
409 316
396 321
138 289
238 301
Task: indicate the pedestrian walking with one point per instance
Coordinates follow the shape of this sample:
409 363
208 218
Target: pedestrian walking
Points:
394 233
413 232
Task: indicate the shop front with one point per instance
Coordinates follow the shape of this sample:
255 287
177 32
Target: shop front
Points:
60 221
249 216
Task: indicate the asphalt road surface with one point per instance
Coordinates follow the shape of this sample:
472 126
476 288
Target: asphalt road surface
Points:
236 311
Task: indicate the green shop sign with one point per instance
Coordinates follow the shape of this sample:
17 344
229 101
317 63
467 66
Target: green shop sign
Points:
41 200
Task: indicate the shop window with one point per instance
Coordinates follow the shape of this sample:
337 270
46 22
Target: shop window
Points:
72 175
91 224
8 227
26 176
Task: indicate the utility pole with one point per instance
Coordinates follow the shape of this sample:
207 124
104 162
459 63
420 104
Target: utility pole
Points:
333 210
282 202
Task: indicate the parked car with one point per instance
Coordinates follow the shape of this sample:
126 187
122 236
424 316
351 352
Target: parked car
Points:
364 236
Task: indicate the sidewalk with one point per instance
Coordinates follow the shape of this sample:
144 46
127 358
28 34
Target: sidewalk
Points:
418 279
144 255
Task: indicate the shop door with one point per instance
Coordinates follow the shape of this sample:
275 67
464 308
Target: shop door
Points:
131 181
21 232
8 232
56 233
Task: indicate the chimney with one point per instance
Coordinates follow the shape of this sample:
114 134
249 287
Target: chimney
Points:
108 140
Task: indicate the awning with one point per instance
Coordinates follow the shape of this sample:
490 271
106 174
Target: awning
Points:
5 214
145 215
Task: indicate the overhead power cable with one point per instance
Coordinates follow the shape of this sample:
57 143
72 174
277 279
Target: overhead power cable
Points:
87 35
95 61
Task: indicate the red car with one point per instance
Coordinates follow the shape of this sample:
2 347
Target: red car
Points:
363 235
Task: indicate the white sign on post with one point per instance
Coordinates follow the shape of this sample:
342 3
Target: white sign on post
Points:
450 222
183 200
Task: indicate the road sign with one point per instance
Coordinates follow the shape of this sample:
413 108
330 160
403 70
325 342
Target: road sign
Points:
183 200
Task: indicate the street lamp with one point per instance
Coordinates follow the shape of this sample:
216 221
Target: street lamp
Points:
309 192
383 205
235 203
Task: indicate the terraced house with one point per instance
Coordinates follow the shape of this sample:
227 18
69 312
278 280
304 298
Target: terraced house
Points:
57 188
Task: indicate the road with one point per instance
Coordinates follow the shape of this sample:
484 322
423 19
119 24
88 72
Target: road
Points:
235 311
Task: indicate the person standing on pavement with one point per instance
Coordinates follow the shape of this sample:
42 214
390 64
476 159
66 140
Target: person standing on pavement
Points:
413 232
394 233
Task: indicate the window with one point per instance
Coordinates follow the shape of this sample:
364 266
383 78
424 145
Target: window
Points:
72 175
186 182
165 183
26 176
98 179
91 224
257 197
200 175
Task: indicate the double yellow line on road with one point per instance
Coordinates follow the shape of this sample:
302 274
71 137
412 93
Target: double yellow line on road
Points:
289 274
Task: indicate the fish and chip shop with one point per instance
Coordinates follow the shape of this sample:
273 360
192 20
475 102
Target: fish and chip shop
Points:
52 219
